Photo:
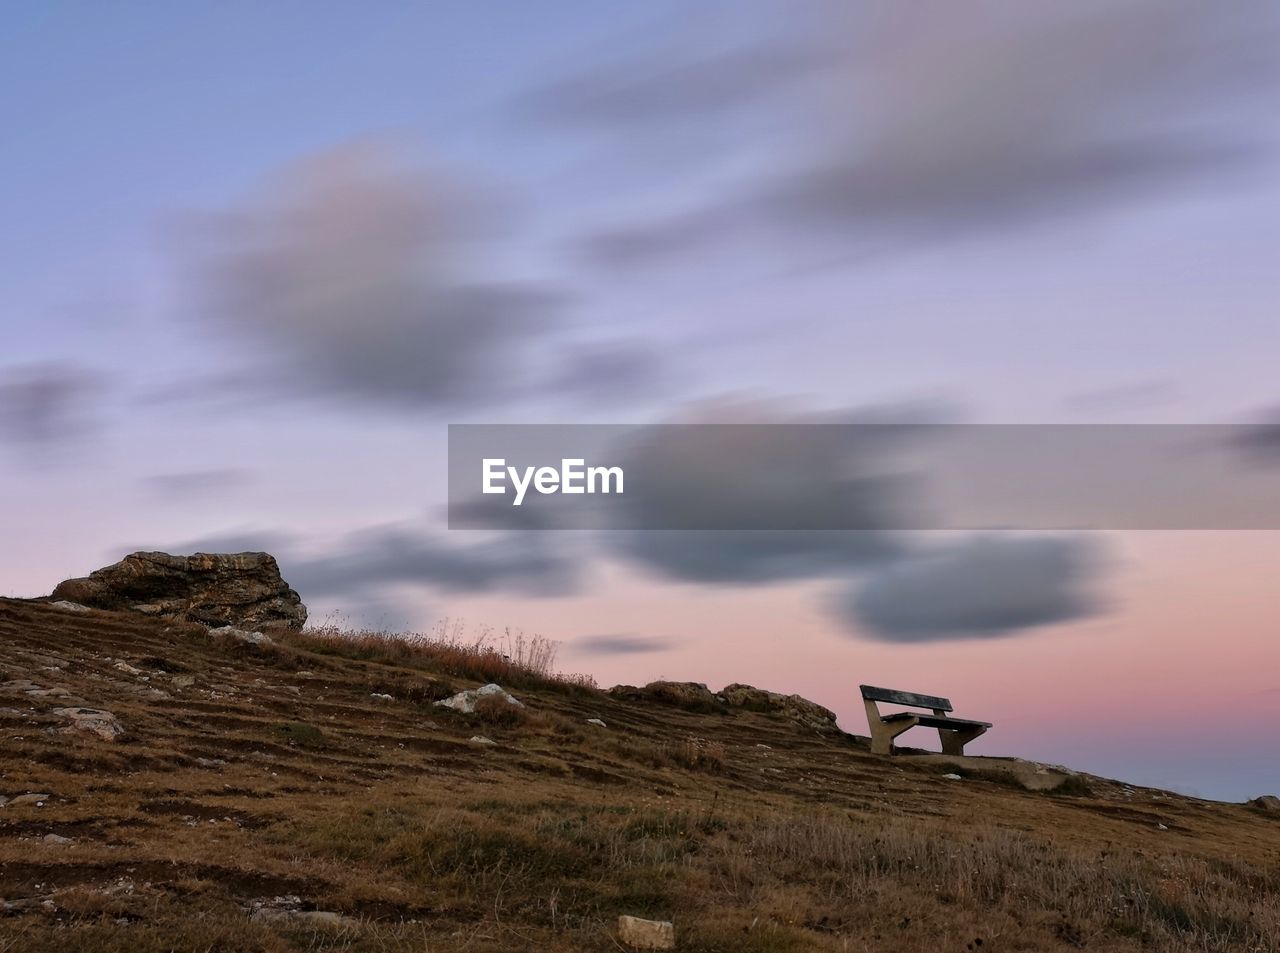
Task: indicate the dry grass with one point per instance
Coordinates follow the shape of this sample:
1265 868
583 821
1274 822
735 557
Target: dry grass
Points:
275 773
512 659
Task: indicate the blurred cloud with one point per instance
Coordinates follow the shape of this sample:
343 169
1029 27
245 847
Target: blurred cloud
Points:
609 371
398 556
247 540
900 123
355 273
1124 398
45 405
196 483
620 644
1260 442
750 556
984 587
362 568
752 474
664 86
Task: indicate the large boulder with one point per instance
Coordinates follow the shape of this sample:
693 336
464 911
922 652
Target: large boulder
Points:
238 589
795 708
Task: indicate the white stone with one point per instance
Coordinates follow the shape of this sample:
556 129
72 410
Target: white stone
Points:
597 722
66 606
250 638
646 934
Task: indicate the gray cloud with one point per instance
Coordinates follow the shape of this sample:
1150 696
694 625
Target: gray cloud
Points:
927 121
247 540
620 644
750 556
363 567
356 275
196 483
984 587
395 556
43 405
656 89
609 371
750 475
1259 443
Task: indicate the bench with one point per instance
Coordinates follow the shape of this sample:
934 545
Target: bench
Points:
955 732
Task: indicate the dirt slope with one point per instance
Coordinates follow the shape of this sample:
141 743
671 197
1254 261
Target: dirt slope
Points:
264 798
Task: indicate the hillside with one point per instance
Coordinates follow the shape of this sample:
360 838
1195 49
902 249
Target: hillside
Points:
266 798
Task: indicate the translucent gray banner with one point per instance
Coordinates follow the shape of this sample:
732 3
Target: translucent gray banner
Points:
864 476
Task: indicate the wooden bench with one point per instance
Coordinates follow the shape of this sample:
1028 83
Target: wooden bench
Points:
955 732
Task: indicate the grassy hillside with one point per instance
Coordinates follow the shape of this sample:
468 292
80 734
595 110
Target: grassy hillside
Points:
259 789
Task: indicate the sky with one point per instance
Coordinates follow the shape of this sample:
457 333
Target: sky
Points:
258 258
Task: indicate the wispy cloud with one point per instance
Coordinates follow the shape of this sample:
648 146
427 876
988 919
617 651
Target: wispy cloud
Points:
883 124
620 644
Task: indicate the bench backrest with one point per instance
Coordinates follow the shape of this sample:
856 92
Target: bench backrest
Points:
910 699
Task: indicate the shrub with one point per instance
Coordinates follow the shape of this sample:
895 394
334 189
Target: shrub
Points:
496 710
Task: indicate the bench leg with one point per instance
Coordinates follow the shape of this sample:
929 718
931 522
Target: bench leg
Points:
953 742
882 735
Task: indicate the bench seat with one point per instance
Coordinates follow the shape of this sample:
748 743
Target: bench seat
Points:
936 721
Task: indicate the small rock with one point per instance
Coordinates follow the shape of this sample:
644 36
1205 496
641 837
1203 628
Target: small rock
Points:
1161 827
953 777
380 696
183 681
23 800
647 934
465 702
127 668
19 685
482 740
307 918
92 721
9 907
599 723
56 839
765 747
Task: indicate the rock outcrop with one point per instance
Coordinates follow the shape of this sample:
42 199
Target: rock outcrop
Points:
692 696
795 708
91 721
238 589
